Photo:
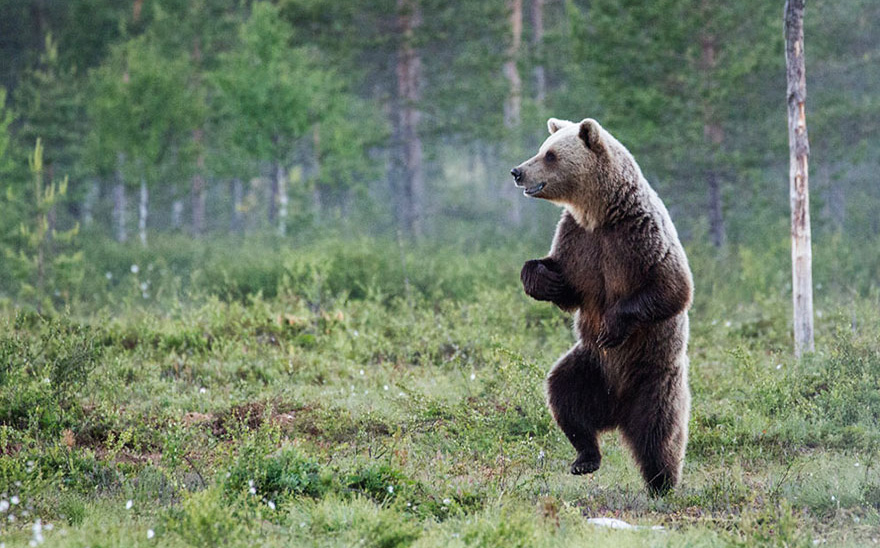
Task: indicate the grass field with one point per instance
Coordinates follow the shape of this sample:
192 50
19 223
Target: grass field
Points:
363 395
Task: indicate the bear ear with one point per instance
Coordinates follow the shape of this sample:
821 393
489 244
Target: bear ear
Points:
555 124
591 134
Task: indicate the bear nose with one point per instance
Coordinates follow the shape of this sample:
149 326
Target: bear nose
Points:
517 174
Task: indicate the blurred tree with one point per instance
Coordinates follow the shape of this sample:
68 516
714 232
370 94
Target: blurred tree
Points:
142 112
50 107
267 90
43 259
5 136
845 112
410 191
684 66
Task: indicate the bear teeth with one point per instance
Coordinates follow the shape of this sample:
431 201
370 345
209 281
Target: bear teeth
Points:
532 190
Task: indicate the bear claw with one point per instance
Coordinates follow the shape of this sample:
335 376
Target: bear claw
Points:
584 466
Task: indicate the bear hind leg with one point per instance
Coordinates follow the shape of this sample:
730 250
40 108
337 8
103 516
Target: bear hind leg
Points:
579 401
657 434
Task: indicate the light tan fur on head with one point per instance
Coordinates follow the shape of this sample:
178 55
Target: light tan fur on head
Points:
583 168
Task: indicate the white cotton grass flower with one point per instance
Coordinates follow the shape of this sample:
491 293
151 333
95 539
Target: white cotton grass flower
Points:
14 500
446 501
391 489
128 504
37 532
150 534
4 505
271 505
135 269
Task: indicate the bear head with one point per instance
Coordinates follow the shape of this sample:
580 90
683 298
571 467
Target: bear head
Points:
581 167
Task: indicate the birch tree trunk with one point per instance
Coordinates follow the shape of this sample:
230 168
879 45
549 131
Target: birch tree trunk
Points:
236 219
281 189
408 71
197 187
799 191
142 213
91 197
177 214
513 104
119 200
317 206
538 49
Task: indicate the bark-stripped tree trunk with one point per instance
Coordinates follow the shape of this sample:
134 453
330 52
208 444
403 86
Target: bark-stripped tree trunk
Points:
142 212
119 201
513 104
799 190
408 71
714 135
538 49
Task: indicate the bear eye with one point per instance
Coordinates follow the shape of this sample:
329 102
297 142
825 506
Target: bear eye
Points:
550 156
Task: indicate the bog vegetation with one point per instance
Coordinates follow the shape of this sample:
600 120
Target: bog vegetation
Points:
259 275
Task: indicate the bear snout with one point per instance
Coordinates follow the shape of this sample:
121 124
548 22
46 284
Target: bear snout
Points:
517 175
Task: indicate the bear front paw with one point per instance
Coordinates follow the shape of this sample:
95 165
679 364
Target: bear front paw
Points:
614 331
541 283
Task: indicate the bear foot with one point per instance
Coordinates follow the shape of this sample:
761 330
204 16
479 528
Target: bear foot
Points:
585 464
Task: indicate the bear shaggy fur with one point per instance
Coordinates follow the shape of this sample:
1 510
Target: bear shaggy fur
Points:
617 263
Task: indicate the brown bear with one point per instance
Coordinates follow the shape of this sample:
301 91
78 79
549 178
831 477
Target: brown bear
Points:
617 263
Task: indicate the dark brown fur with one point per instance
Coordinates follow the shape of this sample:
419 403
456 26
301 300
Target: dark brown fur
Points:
617 263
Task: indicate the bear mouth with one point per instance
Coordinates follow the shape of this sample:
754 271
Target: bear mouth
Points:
533 190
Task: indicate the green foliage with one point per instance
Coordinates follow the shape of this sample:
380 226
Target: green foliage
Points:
266 89
313 416
46 265
142 112
277 476
44 366
50 107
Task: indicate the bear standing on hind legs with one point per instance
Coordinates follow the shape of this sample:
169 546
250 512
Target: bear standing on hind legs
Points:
617 263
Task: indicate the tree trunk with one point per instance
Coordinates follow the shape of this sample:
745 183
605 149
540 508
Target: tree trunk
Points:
142 213
799 152
281 189
513 104
119 201
88 209
714 137
317 207
197 188
716 214
411 187
538 49
177 214
237 192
